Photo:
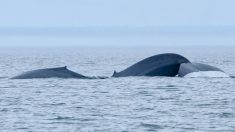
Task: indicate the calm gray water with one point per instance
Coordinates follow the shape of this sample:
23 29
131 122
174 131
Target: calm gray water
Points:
115 104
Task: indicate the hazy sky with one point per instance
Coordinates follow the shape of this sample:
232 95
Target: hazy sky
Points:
90 13
132 22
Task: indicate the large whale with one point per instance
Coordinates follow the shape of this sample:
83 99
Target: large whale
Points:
168 64
159 65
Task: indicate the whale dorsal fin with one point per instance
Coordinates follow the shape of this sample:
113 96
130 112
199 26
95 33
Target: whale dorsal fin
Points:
60 68
114 73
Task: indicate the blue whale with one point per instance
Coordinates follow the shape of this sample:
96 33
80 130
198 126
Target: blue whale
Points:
159 65
59 72
169 65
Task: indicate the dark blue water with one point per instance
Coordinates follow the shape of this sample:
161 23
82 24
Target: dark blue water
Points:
114 104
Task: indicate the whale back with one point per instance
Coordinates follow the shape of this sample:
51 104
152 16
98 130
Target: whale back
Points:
159 65
60 72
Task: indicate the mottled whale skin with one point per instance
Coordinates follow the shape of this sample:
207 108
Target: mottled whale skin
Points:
59 72
159 65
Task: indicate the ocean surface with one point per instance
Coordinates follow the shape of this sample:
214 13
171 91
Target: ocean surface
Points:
129 104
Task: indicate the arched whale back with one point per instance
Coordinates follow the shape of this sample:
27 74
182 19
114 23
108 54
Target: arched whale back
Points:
187 68
60 72
159 65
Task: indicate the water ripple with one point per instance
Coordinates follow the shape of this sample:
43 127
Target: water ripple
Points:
114 104
151 127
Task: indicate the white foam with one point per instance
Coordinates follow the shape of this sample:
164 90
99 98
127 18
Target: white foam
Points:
216 74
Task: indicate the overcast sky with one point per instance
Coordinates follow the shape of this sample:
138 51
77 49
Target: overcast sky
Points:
106 13
135 22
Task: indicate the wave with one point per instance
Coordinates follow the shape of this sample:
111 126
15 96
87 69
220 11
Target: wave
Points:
3 77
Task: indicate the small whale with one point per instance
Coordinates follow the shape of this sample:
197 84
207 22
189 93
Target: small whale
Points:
59 72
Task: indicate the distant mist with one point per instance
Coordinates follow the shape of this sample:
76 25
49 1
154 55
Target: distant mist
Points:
117 36
117 31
